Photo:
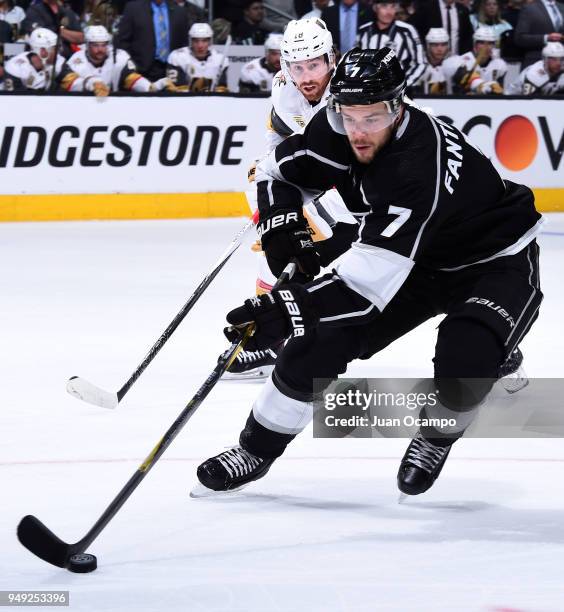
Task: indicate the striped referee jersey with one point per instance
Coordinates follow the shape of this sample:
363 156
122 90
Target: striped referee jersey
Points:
403 39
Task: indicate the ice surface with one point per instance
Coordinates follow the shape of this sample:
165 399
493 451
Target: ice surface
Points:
323 531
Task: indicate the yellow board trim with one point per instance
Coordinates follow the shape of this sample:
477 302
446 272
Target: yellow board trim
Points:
122 206
75 207
549 200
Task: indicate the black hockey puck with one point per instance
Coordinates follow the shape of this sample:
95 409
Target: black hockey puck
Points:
82 563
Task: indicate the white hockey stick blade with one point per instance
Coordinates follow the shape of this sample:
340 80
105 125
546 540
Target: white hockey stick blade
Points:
200 491
87 392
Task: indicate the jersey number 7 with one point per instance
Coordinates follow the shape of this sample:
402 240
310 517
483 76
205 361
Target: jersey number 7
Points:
403 215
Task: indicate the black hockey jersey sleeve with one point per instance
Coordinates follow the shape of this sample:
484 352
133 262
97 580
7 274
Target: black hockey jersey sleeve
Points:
302 166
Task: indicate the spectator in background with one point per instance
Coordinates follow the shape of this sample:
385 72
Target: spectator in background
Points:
488 13
477 72
12 15
447 14
257 75
386 31
101 12
540 22
318 7
545 77
250 31
149 31
51 14
343 21
512 10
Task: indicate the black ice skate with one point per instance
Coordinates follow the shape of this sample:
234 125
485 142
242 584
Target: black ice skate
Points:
511 373
230 471
252 364
421 465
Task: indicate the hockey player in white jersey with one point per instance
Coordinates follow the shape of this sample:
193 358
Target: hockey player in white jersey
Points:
299 91
198 67
100 69
257 75
433 80
34 69
478 71
545 77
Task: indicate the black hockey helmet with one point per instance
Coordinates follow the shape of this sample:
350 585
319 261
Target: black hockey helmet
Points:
366 77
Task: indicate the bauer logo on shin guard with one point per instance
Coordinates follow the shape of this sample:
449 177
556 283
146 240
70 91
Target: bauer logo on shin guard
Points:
293 309
276 221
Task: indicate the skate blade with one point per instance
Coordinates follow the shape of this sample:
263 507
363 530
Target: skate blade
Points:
515 382
200 491
402 498
256 374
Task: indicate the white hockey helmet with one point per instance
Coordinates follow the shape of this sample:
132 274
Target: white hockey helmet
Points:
200 30
485 34
553 49
42 38
273 42
437 35
305 39
96 34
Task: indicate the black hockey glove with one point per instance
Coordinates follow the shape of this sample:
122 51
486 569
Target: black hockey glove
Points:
285 236
277 315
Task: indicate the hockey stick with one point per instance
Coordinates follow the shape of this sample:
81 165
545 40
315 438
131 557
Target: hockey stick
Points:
61 23
43 543
226 49
88 392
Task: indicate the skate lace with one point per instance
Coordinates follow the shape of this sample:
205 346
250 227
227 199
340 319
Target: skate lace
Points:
252 356
425 455
238 462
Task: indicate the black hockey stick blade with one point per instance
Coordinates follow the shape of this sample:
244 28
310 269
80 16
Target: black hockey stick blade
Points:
43 543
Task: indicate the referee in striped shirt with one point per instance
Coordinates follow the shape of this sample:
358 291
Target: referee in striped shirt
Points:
387 31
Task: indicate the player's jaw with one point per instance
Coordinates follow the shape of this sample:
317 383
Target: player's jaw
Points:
312 89
366 146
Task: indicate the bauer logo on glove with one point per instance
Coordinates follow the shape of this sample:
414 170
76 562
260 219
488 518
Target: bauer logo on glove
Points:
277 221
285 236
277 315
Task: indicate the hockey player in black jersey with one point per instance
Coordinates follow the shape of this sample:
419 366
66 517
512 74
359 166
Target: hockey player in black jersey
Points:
442 233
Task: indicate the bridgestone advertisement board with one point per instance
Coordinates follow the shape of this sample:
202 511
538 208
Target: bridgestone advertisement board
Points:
203 144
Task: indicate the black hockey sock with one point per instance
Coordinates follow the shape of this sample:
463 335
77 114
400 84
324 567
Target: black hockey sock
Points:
263 442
